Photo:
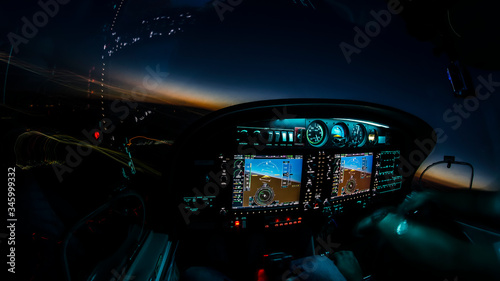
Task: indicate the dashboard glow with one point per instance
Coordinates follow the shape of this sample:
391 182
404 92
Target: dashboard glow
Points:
365 122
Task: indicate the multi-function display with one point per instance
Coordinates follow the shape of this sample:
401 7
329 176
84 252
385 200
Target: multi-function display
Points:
266 181
352 174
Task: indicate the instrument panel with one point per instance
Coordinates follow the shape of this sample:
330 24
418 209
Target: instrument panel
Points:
270 173
311 181
318 133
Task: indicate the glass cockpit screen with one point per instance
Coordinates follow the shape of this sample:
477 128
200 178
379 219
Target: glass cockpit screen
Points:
353 174
266 181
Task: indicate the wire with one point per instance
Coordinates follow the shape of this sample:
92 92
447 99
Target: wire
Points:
130 141
449 163
6 72
449 22
92 214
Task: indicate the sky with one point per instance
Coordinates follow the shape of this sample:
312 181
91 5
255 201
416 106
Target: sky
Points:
255 50
356 163
274 168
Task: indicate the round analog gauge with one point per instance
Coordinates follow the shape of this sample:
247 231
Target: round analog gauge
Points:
373 137
316 133
238 174
358 135
340 134
238 164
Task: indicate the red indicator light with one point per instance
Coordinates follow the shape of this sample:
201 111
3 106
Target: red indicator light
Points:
97 135
266 255
277 220
261 275
237 223
287 219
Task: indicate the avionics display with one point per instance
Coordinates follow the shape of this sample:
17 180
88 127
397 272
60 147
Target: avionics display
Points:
387 177
266 181
353 174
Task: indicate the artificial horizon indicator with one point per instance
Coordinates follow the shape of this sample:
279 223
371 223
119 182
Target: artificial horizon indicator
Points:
268 181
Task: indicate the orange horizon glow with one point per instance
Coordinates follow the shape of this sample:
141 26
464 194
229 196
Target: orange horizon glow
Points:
446 179
170 93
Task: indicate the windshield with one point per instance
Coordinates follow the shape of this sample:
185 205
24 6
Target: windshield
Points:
156 66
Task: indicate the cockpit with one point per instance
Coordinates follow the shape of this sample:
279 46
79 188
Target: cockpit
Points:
290 171
297 159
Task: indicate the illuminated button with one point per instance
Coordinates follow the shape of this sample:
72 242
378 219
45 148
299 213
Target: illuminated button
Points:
300 134
270 136
290 136
283 136
276 136
237 223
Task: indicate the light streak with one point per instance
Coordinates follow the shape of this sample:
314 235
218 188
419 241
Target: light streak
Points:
169 93
34 148
143 137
